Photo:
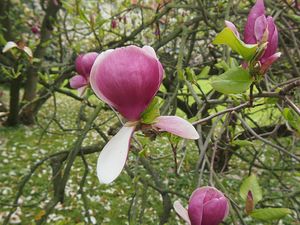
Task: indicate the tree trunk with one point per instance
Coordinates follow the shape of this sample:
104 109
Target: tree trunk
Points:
28 113
14 102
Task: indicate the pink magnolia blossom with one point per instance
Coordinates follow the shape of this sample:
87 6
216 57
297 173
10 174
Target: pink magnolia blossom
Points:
207 206
127 79
83 65
260 29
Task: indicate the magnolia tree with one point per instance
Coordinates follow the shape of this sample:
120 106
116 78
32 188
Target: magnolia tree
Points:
180 102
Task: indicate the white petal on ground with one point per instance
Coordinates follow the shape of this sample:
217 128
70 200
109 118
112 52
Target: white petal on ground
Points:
113 156
177 126
181 211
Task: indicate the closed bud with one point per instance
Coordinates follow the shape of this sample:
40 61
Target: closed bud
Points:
249 203
113 24
207 206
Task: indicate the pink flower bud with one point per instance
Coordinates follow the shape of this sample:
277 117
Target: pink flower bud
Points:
35 29
113 24
207 206
83 65
127 78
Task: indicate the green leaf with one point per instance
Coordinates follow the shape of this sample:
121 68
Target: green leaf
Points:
2 40
251 184
268 214
191 77
292 118
204 72
227 37
233 81
222 65
152 112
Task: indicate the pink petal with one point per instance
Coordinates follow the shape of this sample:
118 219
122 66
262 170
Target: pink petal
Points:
94 85
272 39
150 51
78 81
84 63
257 10
268 62
113 156
260 27
79 65
177 126
195 209
181 211
126 78
9 45
232 27
215 211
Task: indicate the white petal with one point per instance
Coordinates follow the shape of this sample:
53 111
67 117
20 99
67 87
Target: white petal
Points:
177 126
113 156
8 46
149 51
28 51
181 211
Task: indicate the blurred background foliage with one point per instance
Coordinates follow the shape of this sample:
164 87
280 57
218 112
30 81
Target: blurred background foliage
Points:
44 120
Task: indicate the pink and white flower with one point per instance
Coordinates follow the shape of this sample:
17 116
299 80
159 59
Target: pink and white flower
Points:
127 79
83 65
207 206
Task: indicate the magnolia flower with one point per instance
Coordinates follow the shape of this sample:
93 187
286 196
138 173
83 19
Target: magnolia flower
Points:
207 206
127 79
83 65
260 29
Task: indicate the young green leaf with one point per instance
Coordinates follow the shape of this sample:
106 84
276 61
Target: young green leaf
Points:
204 72
268 214
292 118
227 37
233 81
152 112
191 77
251 184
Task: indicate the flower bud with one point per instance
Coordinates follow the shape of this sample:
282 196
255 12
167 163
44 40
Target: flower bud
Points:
207 206
83 65
35 29
114 24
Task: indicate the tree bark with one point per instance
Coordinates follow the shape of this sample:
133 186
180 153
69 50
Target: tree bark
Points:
28 113
14 102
